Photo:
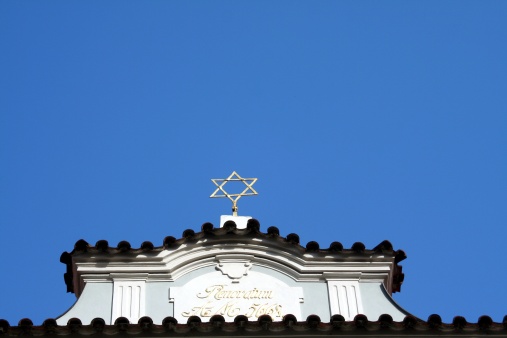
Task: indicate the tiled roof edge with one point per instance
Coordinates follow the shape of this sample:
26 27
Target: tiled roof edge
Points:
209 231
230 229
288 325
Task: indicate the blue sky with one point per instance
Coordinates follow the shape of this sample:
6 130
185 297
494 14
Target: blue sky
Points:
363 121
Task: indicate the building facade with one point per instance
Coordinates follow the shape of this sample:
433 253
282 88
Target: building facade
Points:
237 280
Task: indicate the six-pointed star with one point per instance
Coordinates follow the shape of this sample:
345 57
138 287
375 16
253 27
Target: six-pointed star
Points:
221 182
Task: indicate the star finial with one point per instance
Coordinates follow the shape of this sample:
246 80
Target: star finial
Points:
221 182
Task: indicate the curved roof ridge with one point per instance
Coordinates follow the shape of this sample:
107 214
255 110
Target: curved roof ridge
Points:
229 233
209 231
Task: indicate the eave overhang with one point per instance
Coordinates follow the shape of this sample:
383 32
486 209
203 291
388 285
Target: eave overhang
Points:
175 257
264 327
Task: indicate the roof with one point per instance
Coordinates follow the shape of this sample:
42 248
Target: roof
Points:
230 232
264 326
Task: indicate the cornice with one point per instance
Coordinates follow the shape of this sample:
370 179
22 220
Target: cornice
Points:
176 257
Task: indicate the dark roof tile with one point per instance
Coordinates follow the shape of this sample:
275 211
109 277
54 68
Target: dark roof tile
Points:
253 225
122 324
145 323
410 322
4 326
313 321
188 234
485 322
230 226
336 247
361 321
169 323
74 324
273 231
385 320
293 238
98 324
169 242
289 320
207 227
81 246
102 245
358 247
50 325
384 247
288 326
124 246
434 321
312 246
459 322
147 246
230 229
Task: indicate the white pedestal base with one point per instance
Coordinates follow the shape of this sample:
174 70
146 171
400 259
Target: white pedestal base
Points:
239 220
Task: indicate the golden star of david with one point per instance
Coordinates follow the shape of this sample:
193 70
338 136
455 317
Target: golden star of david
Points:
221 182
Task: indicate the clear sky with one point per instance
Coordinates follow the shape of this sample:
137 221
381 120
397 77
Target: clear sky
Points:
363 120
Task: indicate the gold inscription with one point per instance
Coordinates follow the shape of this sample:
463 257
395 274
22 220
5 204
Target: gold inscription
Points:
232 309
219 292
231 303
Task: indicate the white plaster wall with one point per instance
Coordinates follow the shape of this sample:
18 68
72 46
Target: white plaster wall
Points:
137 295
315 296
157 301
95 302
376 301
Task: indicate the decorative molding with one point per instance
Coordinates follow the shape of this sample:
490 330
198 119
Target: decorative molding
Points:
171 264
235 269
132 276
129 298
345 298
